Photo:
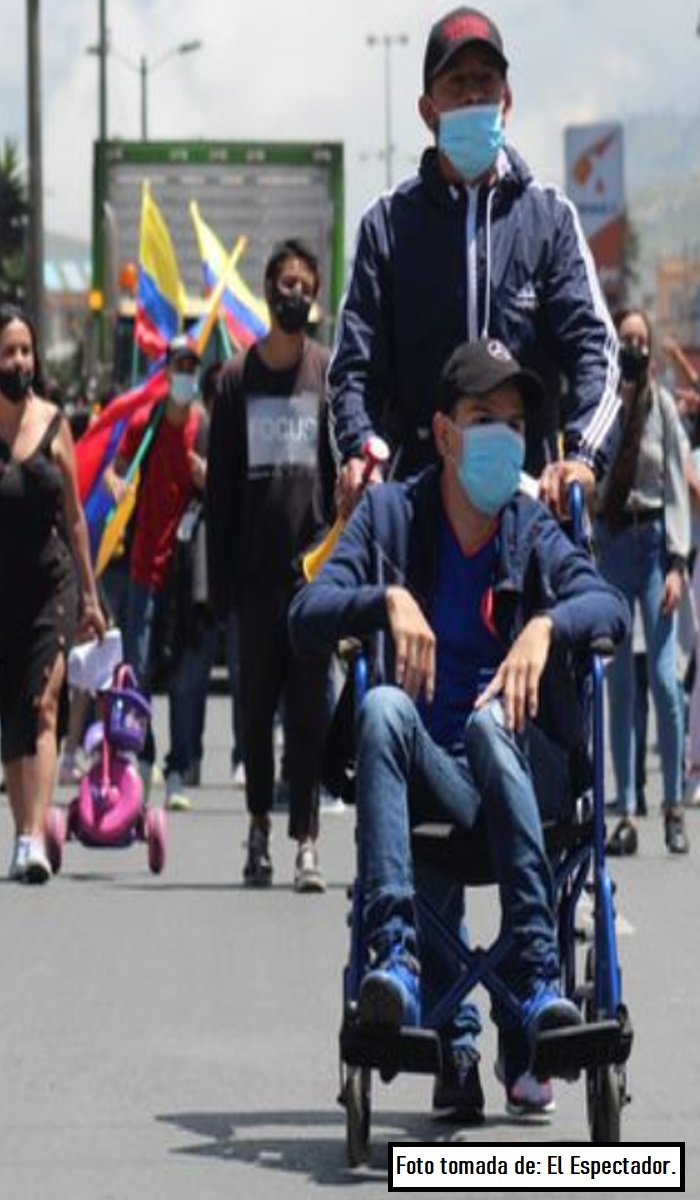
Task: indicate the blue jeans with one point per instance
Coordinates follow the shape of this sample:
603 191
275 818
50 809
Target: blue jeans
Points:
187 695
403 778
634 560
142 605
187 687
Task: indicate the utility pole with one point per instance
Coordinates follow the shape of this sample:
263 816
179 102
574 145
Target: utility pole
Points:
98 295
35 239
102 47
143 72
387 40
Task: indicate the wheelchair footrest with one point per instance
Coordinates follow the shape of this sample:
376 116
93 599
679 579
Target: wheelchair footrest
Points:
564 1053
389 1052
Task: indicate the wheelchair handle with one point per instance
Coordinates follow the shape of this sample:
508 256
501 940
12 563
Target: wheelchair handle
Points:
577 509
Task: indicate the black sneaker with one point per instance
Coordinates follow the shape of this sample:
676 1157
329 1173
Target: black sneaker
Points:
257 871
623 839
457 1091
674 831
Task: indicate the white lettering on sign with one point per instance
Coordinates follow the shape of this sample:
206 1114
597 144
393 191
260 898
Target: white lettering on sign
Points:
282 431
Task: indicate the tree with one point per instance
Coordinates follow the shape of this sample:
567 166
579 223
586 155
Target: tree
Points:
14 212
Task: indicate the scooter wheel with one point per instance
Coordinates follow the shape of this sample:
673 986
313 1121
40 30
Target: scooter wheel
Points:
155 838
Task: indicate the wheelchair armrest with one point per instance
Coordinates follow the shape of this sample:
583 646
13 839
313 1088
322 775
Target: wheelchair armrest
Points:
577 510
349 649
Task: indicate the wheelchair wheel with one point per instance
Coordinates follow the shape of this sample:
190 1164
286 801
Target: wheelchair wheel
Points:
604 1089
358 1114
155 839
605 1085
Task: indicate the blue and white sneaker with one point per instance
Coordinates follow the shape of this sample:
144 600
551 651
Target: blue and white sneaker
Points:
390 994
547 1009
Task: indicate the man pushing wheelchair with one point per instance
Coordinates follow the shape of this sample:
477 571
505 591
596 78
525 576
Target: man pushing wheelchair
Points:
487 612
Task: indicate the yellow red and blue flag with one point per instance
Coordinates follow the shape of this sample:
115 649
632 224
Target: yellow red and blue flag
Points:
246 315
160 294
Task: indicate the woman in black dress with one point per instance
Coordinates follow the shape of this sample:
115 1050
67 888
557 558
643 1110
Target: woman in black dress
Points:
47 588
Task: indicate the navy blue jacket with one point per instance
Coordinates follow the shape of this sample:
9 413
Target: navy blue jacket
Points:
436 265
391 538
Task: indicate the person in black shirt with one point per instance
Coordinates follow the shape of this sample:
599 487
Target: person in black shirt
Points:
269 488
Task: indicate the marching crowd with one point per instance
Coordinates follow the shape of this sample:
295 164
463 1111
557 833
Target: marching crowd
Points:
475 340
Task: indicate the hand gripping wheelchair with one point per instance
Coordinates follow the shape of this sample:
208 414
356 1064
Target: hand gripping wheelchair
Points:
601 1045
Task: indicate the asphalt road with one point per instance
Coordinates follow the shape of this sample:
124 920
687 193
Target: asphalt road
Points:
177 1036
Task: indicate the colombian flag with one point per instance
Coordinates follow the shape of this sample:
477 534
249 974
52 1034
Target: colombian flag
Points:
159 296
98 446
246 315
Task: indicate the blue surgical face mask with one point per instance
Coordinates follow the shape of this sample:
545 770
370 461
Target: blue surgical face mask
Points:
471 138
490 463
184 388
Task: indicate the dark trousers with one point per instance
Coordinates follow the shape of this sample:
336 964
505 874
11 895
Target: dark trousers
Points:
269 672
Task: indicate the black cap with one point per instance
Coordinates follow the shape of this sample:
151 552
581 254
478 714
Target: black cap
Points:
478 368
181 350
461 27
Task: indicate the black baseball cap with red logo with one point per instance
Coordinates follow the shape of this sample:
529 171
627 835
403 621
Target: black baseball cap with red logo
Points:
461 27
478 369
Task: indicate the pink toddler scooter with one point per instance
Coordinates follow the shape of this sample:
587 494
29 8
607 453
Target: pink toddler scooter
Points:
109 810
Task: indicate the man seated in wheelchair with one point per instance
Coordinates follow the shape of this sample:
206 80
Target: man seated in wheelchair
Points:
485 606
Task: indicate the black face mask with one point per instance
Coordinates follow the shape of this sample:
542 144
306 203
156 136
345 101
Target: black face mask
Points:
16 385
634 363
291 309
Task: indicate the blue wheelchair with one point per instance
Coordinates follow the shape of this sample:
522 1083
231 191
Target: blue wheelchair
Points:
600 1047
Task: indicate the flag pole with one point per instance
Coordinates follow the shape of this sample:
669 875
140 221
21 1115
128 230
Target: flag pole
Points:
215 298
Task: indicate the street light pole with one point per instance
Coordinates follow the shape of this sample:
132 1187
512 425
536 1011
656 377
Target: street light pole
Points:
102 48
145 69
143 72
388 40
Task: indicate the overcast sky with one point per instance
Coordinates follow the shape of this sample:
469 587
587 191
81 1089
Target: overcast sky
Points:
302 70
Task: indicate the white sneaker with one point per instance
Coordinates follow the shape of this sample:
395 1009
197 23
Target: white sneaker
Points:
176 798
18 862
37 868
307 872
